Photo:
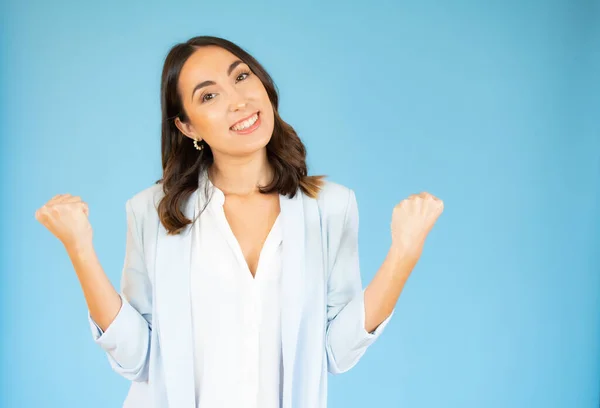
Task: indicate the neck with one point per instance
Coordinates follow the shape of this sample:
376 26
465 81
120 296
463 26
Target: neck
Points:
241 175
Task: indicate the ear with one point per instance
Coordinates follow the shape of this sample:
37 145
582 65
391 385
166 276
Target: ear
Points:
187 129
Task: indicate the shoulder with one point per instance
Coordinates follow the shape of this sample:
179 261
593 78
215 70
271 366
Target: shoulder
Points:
338 217
145 202
336 200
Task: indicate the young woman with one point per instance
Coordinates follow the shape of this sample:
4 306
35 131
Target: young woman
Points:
241 284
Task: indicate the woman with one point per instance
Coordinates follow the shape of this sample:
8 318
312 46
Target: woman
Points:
241 284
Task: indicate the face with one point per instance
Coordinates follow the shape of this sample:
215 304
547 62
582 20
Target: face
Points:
226 104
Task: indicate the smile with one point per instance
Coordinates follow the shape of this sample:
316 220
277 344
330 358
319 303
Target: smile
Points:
247 125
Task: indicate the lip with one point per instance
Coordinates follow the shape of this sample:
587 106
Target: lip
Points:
243 119
251 129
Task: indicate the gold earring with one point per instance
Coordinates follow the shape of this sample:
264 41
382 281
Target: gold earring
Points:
198 147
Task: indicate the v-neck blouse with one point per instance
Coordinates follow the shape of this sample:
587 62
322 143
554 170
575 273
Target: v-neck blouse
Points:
236 317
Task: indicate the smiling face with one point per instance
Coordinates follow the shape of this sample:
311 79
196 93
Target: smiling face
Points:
226 104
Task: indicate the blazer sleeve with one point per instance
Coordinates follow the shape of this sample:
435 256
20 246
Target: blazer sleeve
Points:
347 338
127 340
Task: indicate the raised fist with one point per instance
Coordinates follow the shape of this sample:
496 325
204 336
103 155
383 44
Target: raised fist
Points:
412 219
66 217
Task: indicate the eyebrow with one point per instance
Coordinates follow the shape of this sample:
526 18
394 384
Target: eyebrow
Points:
233 65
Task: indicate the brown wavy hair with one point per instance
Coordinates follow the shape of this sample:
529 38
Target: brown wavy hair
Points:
182 163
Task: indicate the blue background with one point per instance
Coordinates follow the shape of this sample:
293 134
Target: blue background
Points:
493 106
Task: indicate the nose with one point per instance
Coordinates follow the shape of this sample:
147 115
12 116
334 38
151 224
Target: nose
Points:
237 106
237 101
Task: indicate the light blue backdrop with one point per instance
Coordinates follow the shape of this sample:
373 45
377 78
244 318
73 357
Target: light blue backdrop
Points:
492 106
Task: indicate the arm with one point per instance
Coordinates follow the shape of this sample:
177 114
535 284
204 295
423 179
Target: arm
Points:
102 299
356 318
120 323
384 290
349 333
412 220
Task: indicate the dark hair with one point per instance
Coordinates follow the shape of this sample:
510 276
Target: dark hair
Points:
182 163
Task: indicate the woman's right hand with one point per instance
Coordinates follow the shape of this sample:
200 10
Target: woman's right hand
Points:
66 217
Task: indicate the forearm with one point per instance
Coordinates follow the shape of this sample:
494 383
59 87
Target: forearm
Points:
384 290
102 299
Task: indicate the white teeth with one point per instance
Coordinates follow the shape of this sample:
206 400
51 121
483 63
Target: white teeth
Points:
247 123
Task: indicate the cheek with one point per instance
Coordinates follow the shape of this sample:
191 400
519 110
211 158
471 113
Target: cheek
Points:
209 121
266 107
268 116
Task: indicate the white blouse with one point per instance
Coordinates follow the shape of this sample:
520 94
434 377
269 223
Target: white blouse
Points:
236 317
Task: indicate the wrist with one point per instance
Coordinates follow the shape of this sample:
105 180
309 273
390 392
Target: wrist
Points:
403 261
80 250
403 255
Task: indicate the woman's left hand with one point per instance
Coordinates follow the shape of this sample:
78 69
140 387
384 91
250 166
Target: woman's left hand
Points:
412 220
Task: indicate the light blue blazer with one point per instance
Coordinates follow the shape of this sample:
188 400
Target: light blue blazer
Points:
150 341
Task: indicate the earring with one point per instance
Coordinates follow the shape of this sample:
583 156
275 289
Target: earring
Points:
198 147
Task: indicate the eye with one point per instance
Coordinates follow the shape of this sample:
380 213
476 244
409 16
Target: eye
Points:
243 75
207 97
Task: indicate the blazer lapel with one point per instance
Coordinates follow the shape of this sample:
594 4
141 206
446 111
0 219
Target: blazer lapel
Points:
292 213
173 310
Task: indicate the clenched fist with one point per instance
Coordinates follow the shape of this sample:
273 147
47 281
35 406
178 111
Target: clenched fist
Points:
412 219
66 217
